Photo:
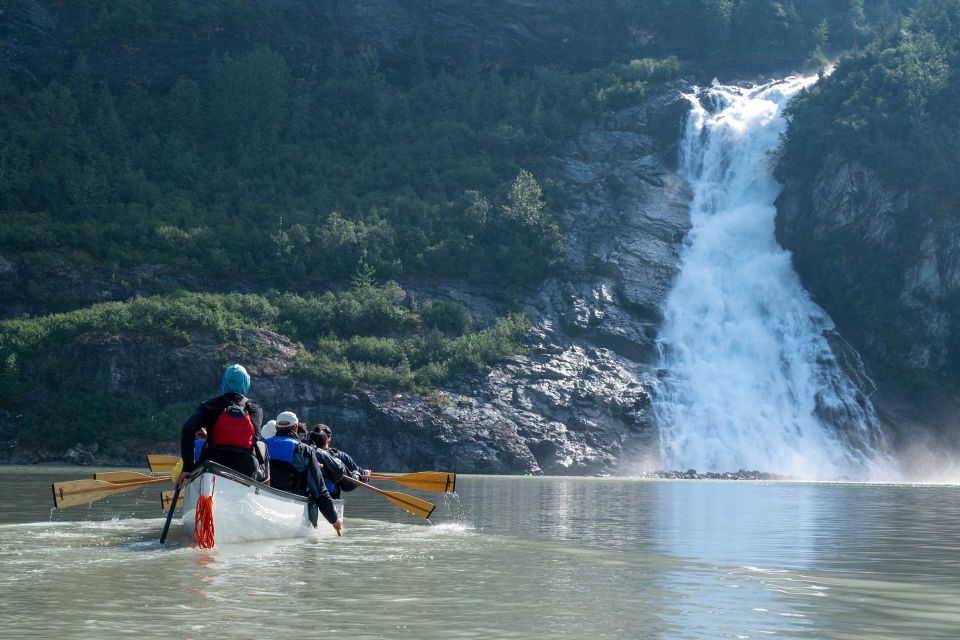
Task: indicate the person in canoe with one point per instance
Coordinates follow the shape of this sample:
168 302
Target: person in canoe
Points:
294 468
335 464
199 444
232 424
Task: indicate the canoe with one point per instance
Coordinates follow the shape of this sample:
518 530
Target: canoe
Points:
246 511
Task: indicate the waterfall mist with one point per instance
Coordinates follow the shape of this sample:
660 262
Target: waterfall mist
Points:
752 379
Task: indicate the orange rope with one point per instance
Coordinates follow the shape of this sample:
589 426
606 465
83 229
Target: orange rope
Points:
203 529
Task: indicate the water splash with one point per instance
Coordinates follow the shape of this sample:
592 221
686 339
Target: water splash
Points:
753 382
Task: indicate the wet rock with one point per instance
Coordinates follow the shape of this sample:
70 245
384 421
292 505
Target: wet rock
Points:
691 474
82 455
850 231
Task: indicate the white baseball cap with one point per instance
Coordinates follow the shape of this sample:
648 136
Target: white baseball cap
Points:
287 419
269 430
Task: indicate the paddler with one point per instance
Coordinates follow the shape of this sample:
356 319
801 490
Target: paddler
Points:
232 425
336 464
294 468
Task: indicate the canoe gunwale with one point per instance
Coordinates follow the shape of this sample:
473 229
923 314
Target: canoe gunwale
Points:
235 476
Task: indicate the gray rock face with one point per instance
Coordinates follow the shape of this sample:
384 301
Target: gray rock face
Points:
577 402
886 266
849 204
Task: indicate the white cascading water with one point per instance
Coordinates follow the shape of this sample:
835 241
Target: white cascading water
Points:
752 381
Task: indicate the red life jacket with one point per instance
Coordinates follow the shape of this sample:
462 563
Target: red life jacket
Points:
233 428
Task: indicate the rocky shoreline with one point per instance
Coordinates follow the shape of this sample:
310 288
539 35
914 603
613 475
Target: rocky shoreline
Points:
87 456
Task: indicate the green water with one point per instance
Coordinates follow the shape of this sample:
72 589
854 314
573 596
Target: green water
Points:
509 558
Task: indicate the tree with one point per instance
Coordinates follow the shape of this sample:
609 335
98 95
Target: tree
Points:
526 240
525 200
248 98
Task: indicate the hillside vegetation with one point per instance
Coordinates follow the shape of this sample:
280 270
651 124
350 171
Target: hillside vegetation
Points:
892 109
259 178
277 181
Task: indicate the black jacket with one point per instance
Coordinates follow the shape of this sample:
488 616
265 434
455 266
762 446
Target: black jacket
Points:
337 464
332 469
205 415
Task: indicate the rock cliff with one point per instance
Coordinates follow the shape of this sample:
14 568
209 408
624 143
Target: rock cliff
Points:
577 402
886 266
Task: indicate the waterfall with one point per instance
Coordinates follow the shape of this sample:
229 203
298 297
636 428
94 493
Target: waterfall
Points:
752 381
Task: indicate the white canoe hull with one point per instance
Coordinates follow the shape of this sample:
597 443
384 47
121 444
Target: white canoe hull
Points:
247 511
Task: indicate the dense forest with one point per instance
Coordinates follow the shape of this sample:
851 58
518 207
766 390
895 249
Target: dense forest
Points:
893 109
268 184
252 179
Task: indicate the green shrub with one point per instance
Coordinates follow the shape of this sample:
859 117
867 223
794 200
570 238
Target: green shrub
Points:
337 331
449 317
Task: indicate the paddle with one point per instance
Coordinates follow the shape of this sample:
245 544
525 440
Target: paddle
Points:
173 505
162 464
416 506
124 476
436 481
166 498
74 492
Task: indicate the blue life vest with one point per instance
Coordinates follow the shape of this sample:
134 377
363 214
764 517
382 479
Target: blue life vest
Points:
287 471
282 448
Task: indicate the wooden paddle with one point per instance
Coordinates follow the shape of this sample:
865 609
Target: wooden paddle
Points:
436 481
125 476
174 500
74 492
416 506
166 497
162 464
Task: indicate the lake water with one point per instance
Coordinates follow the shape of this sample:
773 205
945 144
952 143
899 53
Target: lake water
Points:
508 558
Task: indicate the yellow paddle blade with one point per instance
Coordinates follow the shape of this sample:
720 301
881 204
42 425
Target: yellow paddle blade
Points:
163 464
175 472
74 492
416 506
167 496
410 504
435 481
123 476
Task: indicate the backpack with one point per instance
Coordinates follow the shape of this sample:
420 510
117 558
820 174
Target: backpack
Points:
233 427
232 442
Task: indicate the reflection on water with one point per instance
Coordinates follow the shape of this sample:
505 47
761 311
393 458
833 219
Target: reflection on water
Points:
508 558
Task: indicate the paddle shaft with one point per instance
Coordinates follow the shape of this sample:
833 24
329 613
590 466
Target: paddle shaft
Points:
122 477
435 481
364 484
173 506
